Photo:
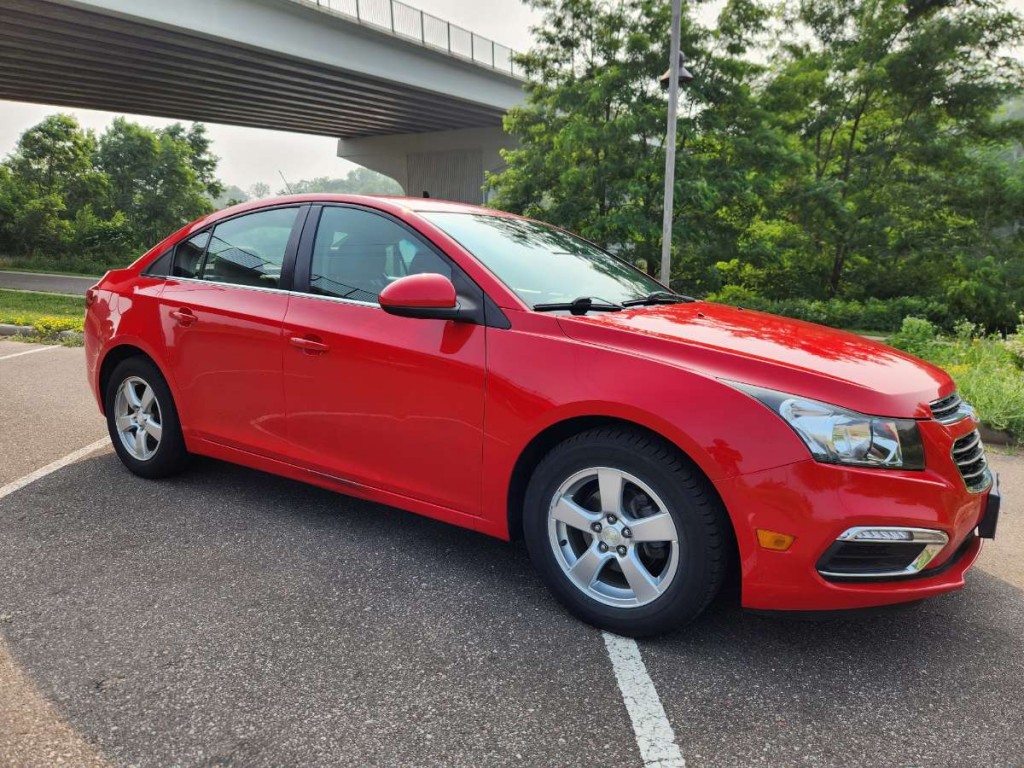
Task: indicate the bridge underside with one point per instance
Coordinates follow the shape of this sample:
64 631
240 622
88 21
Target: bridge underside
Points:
57 53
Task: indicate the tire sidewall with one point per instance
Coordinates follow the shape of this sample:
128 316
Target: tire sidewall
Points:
170 454
685 597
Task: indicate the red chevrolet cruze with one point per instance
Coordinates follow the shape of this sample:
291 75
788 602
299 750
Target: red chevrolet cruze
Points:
504 375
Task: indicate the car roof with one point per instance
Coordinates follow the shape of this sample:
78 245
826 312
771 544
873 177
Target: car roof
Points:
386 202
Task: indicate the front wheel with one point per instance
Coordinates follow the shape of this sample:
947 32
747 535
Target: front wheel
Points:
143 421
626 534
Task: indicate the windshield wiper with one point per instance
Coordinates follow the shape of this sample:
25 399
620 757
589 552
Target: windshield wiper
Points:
579 306
658 297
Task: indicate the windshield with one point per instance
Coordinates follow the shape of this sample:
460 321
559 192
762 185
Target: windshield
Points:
544 265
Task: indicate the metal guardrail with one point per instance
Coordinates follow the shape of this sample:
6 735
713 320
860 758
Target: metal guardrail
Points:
429 31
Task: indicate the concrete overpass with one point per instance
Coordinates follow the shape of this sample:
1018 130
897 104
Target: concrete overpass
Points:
406 93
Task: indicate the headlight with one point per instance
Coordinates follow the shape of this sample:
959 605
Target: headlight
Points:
835 435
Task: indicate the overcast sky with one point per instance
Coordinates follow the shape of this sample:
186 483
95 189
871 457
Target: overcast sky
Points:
250 155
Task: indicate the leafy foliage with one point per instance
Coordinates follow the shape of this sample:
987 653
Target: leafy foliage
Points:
74 202
358 181
988 369
830 151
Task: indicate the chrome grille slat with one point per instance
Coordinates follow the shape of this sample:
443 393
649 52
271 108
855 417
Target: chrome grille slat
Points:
946 406
979 473
966 448
969 457
949 409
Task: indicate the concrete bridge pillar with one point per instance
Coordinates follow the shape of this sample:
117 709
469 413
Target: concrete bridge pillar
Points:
448 165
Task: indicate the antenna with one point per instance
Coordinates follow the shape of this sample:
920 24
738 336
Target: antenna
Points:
286 184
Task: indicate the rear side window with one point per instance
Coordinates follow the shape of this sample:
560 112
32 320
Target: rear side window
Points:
250 249
188 256
161 266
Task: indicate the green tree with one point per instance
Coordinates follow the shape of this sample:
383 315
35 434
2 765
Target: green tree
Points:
55 157
828 149
358 181
68 201
892 103
49 176
259 190
232 195
591 134
160 179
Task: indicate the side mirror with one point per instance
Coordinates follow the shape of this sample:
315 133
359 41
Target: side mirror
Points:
423 296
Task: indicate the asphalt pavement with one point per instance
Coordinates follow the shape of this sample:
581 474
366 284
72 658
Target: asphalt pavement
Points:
39 281
228 617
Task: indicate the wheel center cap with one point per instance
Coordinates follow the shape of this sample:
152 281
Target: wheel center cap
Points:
610 536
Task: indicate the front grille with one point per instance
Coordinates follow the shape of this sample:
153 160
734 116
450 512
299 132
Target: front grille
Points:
969 456
949 409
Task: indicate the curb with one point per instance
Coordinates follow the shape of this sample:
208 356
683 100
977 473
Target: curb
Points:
6 329
995 436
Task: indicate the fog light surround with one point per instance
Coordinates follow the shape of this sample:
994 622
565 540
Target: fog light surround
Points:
901 551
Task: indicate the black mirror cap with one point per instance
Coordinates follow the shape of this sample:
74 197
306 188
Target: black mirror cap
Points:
464 311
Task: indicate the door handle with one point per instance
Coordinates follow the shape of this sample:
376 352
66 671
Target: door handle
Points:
311 346
184 316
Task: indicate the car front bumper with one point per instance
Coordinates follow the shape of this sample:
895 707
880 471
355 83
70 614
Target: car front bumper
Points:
819 503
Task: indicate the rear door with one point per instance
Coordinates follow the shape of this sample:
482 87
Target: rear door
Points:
221 315
395 403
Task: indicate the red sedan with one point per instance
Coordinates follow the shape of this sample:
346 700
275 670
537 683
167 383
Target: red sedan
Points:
504 375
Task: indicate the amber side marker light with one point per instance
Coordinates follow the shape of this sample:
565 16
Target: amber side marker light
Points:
780 542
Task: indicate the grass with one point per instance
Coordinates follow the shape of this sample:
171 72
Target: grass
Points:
48 313
988 370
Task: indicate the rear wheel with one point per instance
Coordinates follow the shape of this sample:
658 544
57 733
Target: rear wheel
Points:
142 420
627 535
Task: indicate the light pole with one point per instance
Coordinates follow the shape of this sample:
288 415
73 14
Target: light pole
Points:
677 73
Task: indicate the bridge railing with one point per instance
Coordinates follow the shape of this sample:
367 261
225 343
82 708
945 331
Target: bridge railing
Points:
430 31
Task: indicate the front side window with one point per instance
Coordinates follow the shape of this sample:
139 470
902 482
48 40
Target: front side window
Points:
541 264
357 253
249 250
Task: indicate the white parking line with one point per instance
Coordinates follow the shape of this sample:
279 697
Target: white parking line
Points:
653 732
30 351
53 466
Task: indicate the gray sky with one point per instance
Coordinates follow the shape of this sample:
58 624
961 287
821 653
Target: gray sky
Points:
250 155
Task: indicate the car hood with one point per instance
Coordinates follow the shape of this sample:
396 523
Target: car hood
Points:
771 351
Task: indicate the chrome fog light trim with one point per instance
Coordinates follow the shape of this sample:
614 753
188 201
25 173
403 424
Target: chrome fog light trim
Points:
932 540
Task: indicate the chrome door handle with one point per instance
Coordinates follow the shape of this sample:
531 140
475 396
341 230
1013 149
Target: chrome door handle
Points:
184 316
309 345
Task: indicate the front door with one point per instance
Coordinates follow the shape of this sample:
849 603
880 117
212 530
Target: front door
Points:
390 402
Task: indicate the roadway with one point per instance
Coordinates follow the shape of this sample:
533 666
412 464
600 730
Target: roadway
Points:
46 283
228 617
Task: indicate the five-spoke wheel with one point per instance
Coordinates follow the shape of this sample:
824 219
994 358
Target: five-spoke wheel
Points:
138 419
625 531
613 537
142 419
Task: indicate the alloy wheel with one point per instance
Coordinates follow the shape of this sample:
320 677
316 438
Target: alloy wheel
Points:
137 418
613 537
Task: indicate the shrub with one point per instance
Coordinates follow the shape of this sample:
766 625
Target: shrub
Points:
988 370
916 336
51 326
883 315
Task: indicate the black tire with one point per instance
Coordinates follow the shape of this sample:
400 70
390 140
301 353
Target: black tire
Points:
170 456
702 525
